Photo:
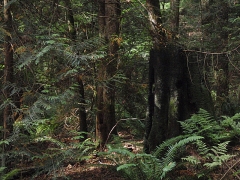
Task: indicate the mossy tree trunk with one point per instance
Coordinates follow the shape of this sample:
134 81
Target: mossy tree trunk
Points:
109 22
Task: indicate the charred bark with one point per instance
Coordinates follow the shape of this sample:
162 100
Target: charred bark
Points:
173 75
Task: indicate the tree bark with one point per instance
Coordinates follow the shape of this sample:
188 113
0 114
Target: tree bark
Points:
109 22
157 32
171 76
8 67
221 43
216 40
175 16
81 109
8 75
159 87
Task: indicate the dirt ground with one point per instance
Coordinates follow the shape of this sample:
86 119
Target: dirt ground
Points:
96 168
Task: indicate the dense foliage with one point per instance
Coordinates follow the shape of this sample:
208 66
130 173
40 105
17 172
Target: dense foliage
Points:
55 74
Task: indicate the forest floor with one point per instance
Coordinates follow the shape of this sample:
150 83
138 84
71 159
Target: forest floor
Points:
104 168
96 168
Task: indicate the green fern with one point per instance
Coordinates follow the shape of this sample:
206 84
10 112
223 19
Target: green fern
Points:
125 166
167 168
161 149
202 147
231 125
173 151
56 156
209 157
192 159
218 155
149 166
8 175
203 124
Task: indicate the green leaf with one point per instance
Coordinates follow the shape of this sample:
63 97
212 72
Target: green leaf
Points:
125 166
10 174
4 142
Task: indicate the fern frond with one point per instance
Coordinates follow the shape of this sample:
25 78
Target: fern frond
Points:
192 159
202 147
50 139
10 174
214 155
231 125
121 151
167 163
221 148
160 150
124 166
167 168
217 160
174 150
203 124
4 142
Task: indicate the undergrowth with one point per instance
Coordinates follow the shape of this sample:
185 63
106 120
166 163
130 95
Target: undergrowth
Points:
44 154
197 154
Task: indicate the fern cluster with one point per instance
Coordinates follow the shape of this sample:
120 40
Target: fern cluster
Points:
232 125
203 124
9 175
144 166
45 154
58 154
204 139
211 152
206 158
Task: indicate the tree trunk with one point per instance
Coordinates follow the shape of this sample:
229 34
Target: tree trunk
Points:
170 77
109 22
194 91
221 42
216 39
175 16
157 31
70 18
8 73
81 109
159 92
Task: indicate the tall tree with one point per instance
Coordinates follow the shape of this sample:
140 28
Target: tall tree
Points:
159 87
73 36
109 29
215 22
8 72
175 5
170 77
220 43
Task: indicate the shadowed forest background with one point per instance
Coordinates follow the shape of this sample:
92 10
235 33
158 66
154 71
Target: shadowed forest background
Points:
120 89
